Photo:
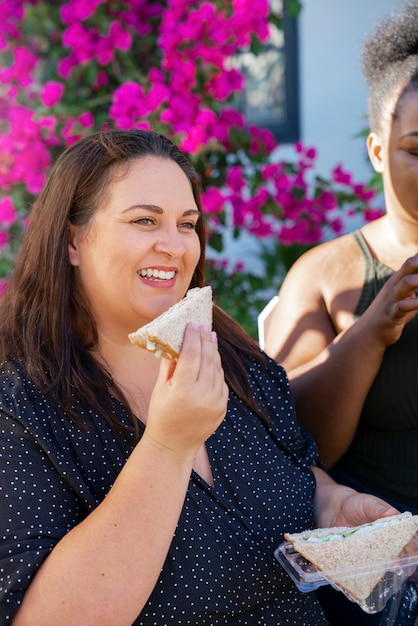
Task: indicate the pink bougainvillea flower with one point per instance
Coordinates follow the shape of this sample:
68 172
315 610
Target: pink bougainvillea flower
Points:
213 200
245 20
51 93
183 80
225 83
78 10
299 232
195 138
235 178
119 37
271 171
20 72
140 15
11 14
8 214
307 152
262 140
227 120
81 40
363 193
128 105
340 176
65 67
157 95
86 119
25 149
73 129
328 200
337 226
102 79
373 214
4 238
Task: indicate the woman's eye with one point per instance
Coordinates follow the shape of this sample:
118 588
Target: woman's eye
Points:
189 225
410 146
144 221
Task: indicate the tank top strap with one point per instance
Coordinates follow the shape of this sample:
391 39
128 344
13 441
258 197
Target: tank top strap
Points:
375 275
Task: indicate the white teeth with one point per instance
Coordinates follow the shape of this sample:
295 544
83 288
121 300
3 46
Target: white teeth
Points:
153 273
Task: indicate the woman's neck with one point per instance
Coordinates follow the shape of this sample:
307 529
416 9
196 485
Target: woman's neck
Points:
133 370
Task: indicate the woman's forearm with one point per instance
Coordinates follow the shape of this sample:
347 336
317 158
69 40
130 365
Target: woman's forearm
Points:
330 390
104 570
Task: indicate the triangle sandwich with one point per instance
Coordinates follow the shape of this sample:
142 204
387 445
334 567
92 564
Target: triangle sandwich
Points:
356 558
164 335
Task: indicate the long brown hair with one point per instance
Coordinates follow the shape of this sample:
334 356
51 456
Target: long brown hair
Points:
45 321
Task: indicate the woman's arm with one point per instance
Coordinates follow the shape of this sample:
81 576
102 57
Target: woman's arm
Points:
338 505
104 569
330 372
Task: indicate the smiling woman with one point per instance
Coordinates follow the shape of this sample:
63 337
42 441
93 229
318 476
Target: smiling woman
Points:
151 243
163 486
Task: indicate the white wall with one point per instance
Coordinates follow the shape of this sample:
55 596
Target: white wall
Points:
333 94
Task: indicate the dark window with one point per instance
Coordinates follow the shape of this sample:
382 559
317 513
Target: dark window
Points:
271 94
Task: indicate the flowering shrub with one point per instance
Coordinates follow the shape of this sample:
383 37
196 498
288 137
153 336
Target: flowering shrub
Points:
68 68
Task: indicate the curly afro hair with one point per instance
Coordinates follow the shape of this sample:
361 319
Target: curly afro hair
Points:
390 60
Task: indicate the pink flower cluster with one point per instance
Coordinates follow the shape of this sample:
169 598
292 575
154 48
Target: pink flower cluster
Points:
163 65
195 40
284 203
25 147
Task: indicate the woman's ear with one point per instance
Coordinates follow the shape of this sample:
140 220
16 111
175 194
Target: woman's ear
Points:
375 150
72 244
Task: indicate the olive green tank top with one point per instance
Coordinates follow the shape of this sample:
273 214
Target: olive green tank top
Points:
384 454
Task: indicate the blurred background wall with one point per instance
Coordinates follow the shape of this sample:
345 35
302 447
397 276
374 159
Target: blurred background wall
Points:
333 94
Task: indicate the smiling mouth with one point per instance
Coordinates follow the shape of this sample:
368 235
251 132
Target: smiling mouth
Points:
153 274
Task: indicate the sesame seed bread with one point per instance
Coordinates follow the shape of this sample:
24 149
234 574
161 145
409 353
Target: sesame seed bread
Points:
346 548
164 335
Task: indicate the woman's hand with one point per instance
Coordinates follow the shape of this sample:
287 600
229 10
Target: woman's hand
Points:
395 305
338 505
190 397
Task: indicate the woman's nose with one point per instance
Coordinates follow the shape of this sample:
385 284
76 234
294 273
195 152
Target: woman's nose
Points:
170 242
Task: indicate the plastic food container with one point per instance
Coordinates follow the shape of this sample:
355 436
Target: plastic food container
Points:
308 578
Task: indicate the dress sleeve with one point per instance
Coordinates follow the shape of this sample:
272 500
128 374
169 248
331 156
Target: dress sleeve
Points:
37 507
273 394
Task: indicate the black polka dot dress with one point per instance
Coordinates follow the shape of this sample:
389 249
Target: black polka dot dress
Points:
220 569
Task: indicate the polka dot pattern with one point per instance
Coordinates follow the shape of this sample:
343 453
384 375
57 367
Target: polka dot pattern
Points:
221 568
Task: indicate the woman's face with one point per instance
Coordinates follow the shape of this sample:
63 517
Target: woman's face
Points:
400 160
138 254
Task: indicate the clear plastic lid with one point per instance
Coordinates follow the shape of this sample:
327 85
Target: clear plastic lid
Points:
396 571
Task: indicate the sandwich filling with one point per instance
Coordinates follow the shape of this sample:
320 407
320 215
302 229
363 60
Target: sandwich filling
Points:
335 536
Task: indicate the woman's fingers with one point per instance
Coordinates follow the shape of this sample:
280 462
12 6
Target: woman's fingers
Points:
190 397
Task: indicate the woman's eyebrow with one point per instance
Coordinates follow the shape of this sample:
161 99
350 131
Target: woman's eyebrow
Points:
156 209
146 207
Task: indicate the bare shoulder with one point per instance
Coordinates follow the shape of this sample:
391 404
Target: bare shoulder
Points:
334 263
316 301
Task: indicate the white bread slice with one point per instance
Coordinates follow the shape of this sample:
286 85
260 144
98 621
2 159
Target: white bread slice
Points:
164 335
345 548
